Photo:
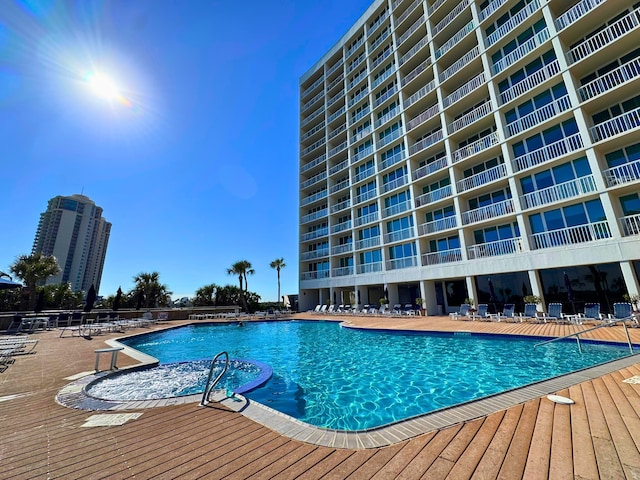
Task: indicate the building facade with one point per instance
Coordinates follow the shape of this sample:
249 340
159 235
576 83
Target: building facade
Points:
73 230
485 149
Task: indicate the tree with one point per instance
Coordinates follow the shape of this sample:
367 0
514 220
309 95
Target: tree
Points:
206 295
242 268
34 269
278 264
155 293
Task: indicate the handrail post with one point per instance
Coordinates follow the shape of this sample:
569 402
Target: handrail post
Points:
209 385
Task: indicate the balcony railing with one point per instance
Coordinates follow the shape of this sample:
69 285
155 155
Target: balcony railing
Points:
313 146
476 147
424 116
357 80
489 9
368 243
630 224
408 11
314 275
433 196
625 173
530 82
321 232
316 161
396 183
342 271
311 102
315 129
314 216
442 24
399 235
382 77
487 212
436 5
339 167
363 174
539 115
336 114
335 98
437 225
312 116
340 206
307 91
430 168
548 152
588 232
365 152
385 96
354 64
412 28
426 142
471 117
337 131
339 79
413 50
379 22
610 80
369 267
459 64
344 248
313 198
444 256
370 217
379 41
508 246
513 22
534 42
464 90
426 89
405 262
422 66
368 195
387 139
355 46
338 149
361 134
387 116
339 186
562 191
335 66
341 227
315 179
361 114
576 12
449 44
482 178
358 97
396 209
313 254
392 159
620 124
604 37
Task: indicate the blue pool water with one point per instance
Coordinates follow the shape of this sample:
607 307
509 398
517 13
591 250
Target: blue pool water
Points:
348 379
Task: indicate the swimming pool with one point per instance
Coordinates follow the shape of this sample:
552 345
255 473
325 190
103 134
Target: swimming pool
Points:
349 379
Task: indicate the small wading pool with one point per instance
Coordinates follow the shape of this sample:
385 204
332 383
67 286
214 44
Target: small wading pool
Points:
349 379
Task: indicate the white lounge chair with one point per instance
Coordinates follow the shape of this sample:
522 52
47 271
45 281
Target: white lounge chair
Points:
480 313
464 310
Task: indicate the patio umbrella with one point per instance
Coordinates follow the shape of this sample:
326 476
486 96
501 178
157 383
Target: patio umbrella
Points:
116 301
570 296
6 284
91 298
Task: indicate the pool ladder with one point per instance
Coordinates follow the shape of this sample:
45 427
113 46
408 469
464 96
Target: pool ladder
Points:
606 324
209 386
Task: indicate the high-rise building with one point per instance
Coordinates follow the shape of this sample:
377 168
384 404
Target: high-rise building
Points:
485 149
73 230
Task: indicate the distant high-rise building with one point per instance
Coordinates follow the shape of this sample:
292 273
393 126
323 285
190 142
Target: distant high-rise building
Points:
73 230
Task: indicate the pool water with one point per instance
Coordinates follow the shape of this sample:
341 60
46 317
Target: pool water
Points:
350 379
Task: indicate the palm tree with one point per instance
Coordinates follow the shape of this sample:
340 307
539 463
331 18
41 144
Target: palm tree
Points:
242 268
154 292
278 264
34 269
206 295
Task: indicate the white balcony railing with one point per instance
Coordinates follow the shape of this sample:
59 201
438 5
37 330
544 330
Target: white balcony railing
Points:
365 152
364 174
369 267
313 198
430 112
530 82
459 64
433 196
355 62
339 79
385 96
422 66
405 262
310 103
476 147
392 160
338 148
341 227
534 42
408 11
335 66
507 246
621 174
620 124
339 186
513 22
336 114
314 216
396 183
483 178
307 91
357 79
426 142
488 212
378 42
588 232
370 217
315 179
368 195
390 115
576 12
610 80
464 90
399 235
339 167
630 224
469 118
314 130
424 91
344 248
410 30
605 37
539 115
360 115
316 161
438 225
387 139
444 256
358 97
312 116
448 18
335 98
489 9
449 44
321 232
383 17
361 134
430 168
413 51
313 254
342 271
355 46
562 191
368 243
314 275
548 152
313 146
396 209
382 77
340 206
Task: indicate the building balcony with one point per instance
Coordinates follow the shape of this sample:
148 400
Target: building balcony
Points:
399 263
314 275
448 18
338 79
311 102
358 97
339 186
459 64
341 227
314 216
338 207
313 131
562 191
425 142
413 51
335 66
483 178
383 77
487 11
365 152
437 225
630 225
339 167
548 152
399 235
469 118
512 23
430 168
353 65
423 92
335 98
321 232
338 149
312 255
488 212
313 180
444 256
310 89
464 90
478 146
385 96
576 12
449 44
539 115
316 161
523 50
387 139
623 74
367 243
422 66
417 24
368 195
364 174
342 271
588 232
604 37
313 198
355 47
433 196
357 79
369 267
360 115
396 183
430 112
312 116
392 160
617 125
625 173
336 114
435 6
508 246
379 22
344 248
383 55
337 131
313 146
396 209
369 218
387 117
407 12
530 82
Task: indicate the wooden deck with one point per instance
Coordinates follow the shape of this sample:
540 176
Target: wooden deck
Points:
597 437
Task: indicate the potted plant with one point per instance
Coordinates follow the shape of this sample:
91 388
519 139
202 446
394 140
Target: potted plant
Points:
383 301
420 304
532 299
469 301
632 299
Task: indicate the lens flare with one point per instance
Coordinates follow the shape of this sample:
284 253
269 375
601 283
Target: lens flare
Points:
106 88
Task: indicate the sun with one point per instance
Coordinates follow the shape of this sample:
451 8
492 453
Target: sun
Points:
104 87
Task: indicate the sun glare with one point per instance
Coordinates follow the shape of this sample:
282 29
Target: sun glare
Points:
106 88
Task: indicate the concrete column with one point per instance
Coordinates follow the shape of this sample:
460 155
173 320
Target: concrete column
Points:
632 283
536 288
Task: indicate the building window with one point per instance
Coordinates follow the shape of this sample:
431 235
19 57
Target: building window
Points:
509 47
444 244
550 135
566 217
527 71
624 155
559 174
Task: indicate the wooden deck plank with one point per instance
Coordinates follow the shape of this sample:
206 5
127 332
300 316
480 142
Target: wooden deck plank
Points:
266 461
376 463
561 461
326 465
585 465
409 451
279 465
625 409
302 464
537 465
350 464
518 452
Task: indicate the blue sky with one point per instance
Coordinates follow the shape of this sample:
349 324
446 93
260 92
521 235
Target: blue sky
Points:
202 169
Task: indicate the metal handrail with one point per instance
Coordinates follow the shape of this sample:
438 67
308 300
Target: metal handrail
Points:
608 323
208 387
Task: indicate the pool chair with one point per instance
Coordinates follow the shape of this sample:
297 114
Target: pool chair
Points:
323 309
507 314
409 310
462 313
397 309
591 313
372 310
317 309
331 309
623 311
480 313
530 313
339 309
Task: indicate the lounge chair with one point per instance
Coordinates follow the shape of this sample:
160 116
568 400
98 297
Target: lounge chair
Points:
480 313
323 309
409 310
591 312
624 311
530 312
384 309
331 308
507 314
397 309
464 310
316 310
340 309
